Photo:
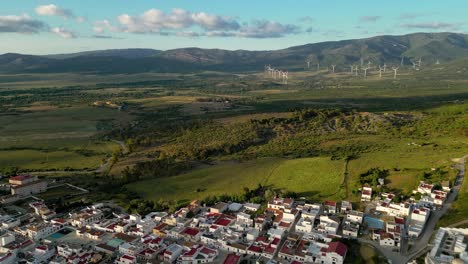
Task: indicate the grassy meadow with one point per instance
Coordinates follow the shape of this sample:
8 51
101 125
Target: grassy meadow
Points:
316 178
56 138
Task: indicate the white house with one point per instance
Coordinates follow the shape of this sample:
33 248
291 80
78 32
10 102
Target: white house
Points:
335 253
354 217
366 194
172 252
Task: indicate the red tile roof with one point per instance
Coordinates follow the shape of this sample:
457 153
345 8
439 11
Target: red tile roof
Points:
222 222
255 249
207 251
338 248
400 220
191 252
232 259
20 177
128 257
191 231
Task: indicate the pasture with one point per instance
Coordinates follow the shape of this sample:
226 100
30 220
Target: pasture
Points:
315 178
57 138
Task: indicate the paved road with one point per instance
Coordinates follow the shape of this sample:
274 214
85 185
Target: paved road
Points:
422 242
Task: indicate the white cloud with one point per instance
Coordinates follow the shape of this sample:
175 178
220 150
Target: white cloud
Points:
431 25
155 20
21 24
64 33
267 29
369 18
53 10
180 22
102 26
80 19
306 19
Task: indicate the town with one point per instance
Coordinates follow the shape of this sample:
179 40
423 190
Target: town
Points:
284 230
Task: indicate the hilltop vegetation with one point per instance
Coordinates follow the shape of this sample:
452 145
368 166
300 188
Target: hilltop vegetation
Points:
444 47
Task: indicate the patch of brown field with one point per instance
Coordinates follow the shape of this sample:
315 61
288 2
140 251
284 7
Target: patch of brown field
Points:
37 108
49 135
273 91
244 118
165 100
198 108
128 161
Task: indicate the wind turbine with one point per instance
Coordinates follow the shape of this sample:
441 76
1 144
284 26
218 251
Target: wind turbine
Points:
352 69
365 72
395 70
414 65
402 61
318 66
384 67
437 62
380 71
308 64
357 70
333 68
285 77
419 62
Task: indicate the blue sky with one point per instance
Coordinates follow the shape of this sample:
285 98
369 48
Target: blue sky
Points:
62 26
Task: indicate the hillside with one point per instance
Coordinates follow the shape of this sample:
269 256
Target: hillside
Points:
431 47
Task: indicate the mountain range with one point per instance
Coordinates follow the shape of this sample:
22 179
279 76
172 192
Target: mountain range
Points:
445 47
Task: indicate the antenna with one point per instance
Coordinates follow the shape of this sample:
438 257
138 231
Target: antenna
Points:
333 68
395 70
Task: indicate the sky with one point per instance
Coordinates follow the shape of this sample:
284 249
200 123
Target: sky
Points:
66 26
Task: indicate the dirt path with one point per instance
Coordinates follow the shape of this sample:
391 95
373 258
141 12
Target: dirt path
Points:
346 178
459 223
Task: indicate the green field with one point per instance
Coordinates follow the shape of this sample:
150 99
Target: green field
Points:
56 138
406 162
312 177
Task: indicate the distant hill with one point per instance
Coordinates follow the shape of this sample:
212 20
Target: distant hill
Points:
445 47
124 53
